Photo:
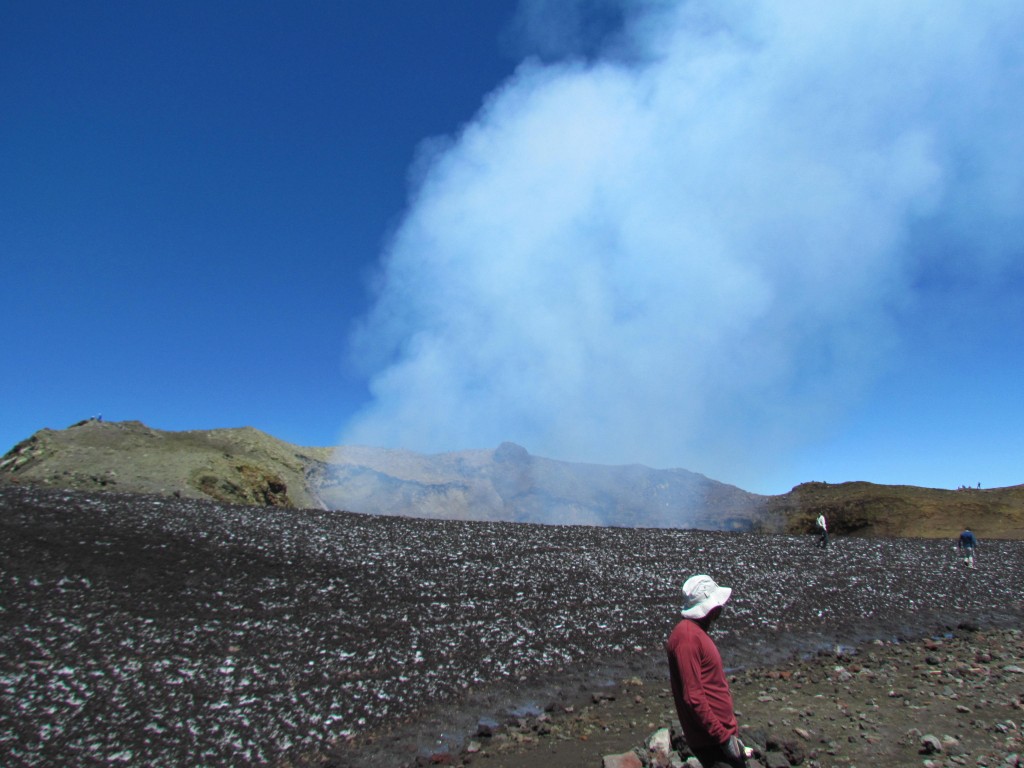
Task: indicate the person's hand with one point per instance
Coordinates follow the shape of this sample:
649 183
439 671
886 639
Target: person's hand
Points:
733 749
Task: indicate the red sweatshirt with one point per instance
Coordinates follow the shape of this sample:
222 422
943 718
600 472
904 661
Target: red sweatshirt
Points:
701 693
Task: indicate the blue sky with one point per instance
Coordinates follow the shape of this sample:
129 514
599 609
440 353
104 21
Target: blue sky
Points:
195 194
767 242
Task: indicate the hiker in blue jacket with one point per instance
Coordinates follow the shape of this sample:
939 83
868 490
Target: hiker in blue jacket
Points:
966 545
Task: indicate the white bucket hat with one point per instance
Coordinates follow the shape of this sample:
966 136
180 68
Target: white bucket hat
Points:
701 595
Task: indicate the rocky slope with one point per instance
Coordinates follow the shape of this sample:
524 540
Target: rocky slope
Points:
157 631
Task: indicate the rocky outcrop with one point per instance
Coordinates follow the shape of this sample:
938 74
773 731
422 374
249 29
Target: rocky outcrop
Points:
248 485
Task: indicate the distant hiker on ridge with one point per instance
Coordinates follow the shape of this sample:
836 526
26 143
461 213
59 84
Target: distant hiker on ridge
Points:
699 688
823 531
966 544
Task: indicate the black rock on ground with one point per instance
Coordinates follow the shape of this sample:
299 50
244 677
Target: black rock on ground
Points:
172 632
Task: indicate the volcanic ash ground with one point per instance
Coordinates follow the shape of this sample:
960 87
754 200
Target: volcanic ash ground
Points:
168 632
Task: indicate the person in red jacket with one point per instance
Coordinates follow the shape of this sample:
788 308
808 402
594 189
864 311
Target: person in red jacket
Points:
701 693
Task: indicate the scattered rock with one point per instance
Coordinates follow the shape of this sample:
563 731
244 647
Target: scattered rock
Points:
952 746
776 760
660 743
624 760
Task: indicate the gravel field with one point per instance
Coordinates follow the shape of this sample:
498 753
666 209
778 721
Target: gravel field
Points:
151 631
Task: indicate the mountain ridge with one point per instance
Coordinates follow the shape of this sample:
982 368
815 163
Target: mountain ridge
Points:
247 466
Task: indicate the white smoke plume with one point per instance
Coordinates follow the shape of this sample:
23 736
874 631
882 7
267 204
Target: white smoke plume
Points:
694 242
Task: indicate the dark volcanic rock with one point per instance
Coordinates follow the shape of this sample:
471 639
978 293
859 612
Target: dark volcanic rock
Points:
174 632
